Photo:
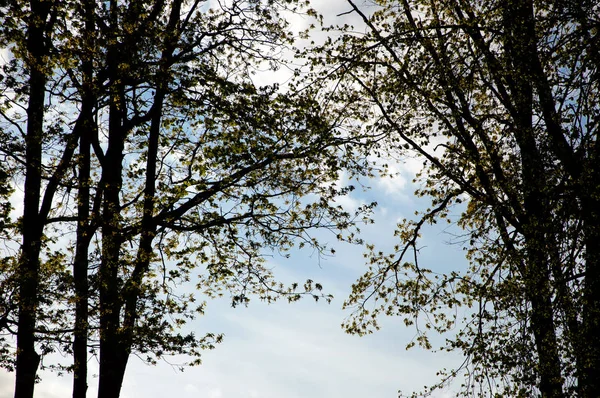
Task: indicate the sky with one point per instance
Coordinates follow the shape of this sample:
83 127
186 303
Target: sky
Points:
299 350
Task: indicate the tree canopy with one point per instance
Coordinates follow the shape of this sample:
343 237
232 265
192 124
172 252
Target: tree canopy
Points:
500 101
148 153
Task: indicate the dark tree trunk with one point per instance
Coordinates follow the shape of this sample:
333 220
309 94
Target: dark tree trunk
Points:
113 359
113 362
111 355
520 46
80 275
27 358
590 377
84 234
80 264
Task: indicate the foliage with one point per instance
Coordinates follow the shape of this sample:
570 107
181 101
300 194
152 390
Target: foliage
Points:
156 156
500 101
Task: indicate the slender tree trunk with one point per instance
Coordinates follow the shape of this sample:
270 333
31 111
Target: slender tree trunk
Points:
80 275
27 358
113 353
80 264
84 234
590 377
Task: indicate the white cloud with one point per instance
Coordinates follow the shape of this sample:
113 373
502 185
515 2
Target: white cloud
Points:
190 388
6 384
396 181
215 393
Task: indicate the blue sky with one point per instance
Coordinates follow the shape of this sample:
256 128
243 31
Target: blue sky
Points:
299 350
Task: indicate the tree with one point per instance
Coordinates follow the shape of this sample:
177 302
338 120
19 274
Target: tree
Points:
157 155
34 45
500 100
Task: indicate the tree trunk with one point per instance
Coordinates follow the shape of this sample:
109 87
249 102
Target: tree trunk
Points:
80 276
84 234
27 358
112 358
113 362
80 264
590 379
520 47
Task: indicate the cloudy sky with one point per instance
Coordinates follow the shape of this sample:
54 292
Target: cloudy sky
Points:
299 350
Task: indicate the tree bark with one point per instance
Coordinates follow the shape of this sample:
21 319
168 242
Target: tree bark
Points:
84 235
27 358
589 379
520 46
112 357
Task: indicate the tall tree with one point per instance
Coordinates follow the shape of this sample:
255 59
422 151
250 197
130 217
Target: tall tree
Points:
500 100
33 47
